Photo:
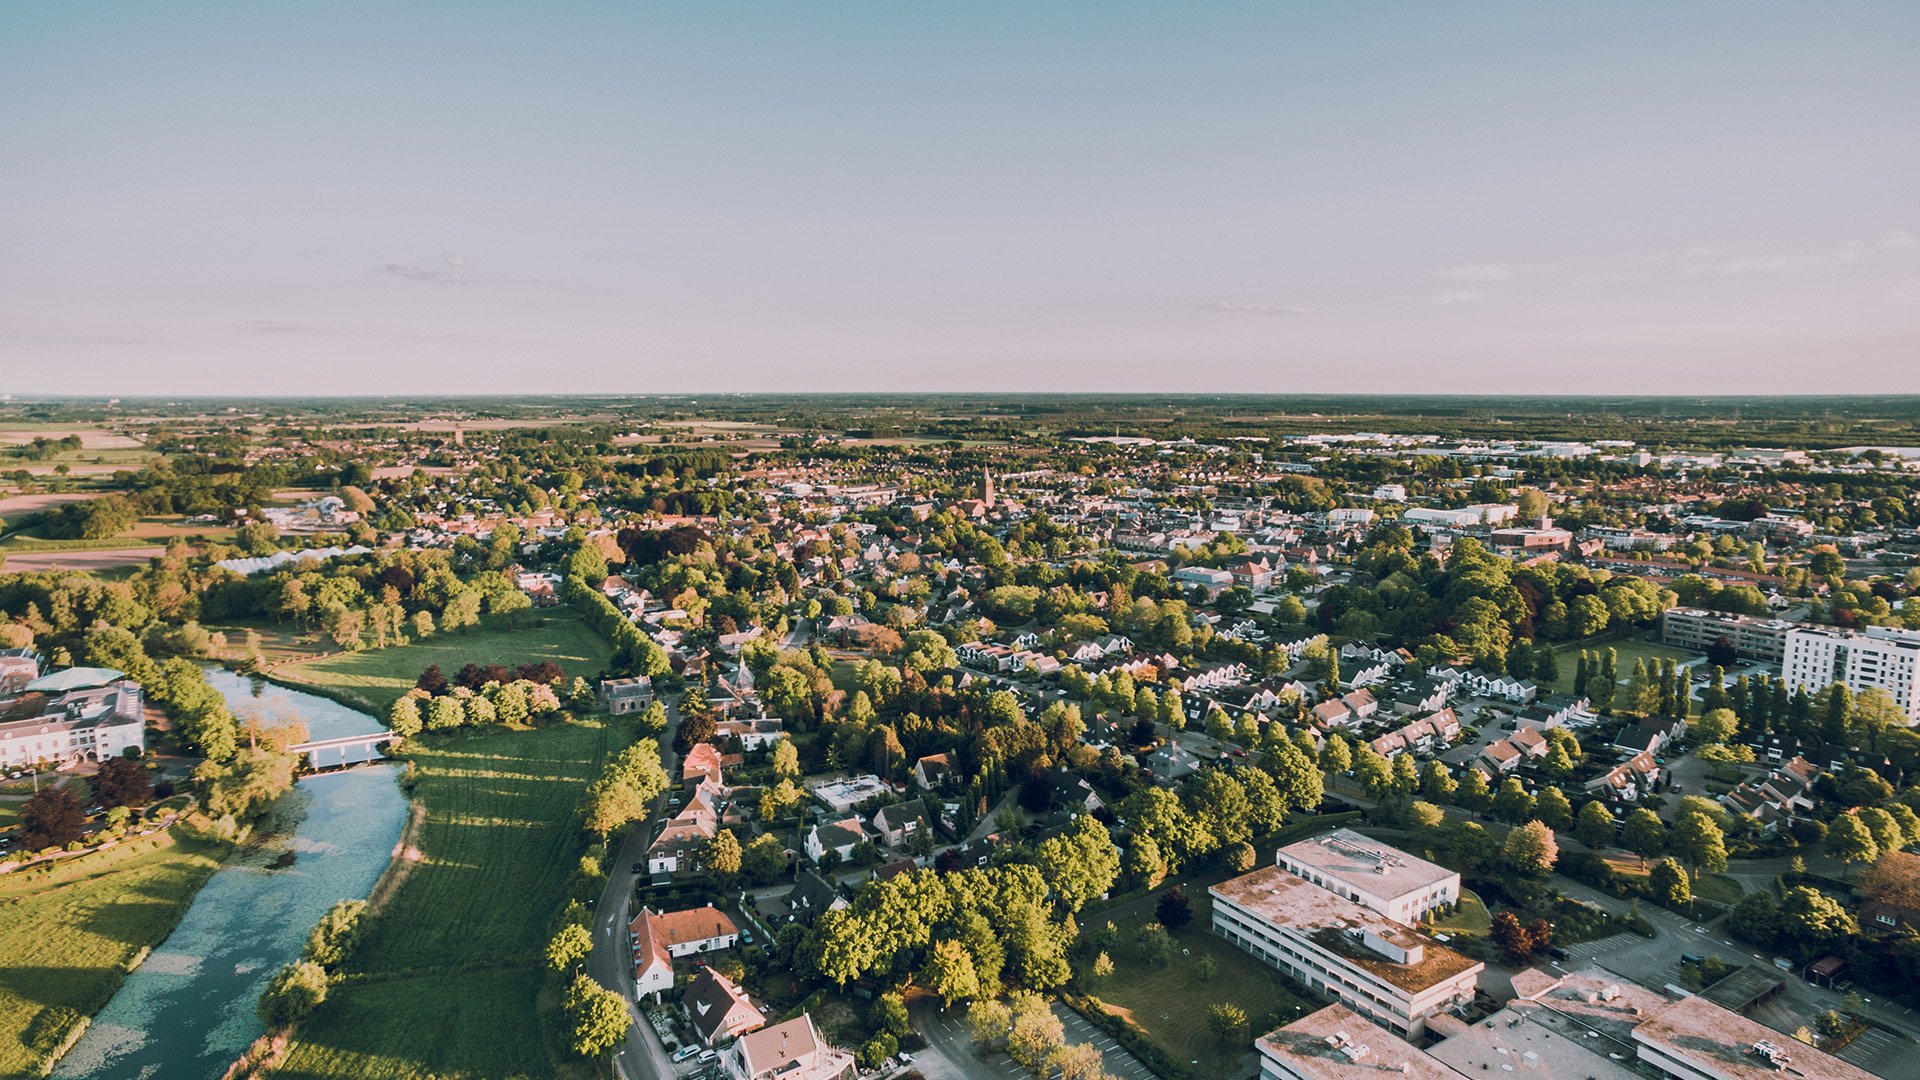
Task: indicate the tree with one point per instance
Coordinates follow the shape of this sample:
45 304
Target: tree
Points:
1172 909
988 1021
1154 945
720 856
1669 885
1473 792
568 947
1716 726
1102 966
122 781
949 971
53 817
1849 840
1531 849
1594 827
889 1015
403 719
786 760
295 991
597 1018
1080 1061
1644 834
1512 803
1698 841
1811 922
1518 940
1756 918
1228 1022
1035 1034
1424 818
1081 863
1554 809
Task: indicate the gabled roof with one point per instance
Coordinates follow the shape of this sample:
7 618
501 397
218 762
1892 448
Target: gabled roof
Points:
781 1046
718 1008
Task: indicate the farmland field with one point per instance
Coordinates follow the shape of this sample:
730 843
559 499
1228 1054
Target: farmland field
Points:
372 679
447 981
69 934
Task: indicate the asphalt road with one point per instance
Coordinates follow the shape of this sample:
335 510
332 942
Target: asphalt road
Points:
642 1056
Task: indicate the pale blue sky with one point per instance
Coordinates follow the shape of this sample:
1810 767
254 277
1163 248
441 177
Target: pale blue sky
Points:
1269 197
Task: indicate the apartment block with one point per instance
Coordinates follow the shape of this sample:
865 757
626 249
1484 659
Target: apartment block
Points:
1817 656
1756 639
1392 883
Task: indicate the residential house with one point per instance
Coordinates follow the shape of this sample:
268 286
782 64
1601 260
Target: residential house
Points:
1628 780
933 771
1778 797
683 835
718 1009
701 764
1531 744
1333 713
1651 735
897 823
754 734
811 897
1362 703
790 1051
839 837
1499 758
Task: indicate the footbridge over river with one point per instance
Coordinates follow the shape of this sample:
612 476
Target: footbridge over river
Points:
345 749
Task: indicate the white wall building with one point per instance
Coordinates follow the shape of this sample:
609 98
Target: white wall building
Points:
1878 656
1389 972
1391 882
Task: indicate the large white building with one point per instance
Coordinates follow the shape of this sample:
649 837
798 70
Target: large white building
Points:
1390 972
1879 656
1391 882
80 714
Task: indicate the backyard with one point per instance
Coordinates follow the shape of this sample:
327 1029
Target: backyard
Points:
1171 1003
373 678
448 981
71 932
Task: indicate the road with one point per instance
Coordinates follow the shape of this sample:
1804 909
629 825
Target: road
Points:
642 1056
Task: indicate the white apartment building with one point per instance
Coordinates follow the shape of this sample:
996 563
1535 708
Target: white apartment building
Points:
1384 970
1393 883
1878 656
1759 639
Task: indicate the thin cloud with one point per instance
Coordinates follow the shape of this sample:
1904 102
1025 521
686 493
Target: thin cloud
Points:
424 275
454 259
1458 296
1238 308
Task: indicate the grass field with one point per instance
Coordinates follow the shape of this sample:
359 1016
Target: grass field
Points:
1171 1003
447 982
374 678
1471 919
1567 660
68 935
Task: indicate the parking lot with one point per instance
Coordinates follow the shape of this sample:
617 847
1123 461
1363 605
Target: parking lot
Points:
951 1055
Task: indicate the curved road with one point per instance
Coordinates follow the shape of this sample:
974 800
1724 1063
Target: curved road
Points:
642 1056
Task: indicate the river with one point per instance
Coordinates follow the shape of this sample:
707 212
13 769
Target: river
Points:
189 1010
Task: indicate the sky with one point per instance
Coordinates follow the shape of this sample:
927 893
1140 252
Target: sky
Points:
1473 197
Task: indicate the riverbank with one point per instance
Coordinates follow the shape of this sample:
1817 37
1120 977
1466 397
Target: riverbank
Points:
446 981
189 1010
73 932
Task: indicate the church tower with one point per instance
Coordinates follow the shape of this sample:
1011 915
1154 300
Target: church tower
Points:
986 487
